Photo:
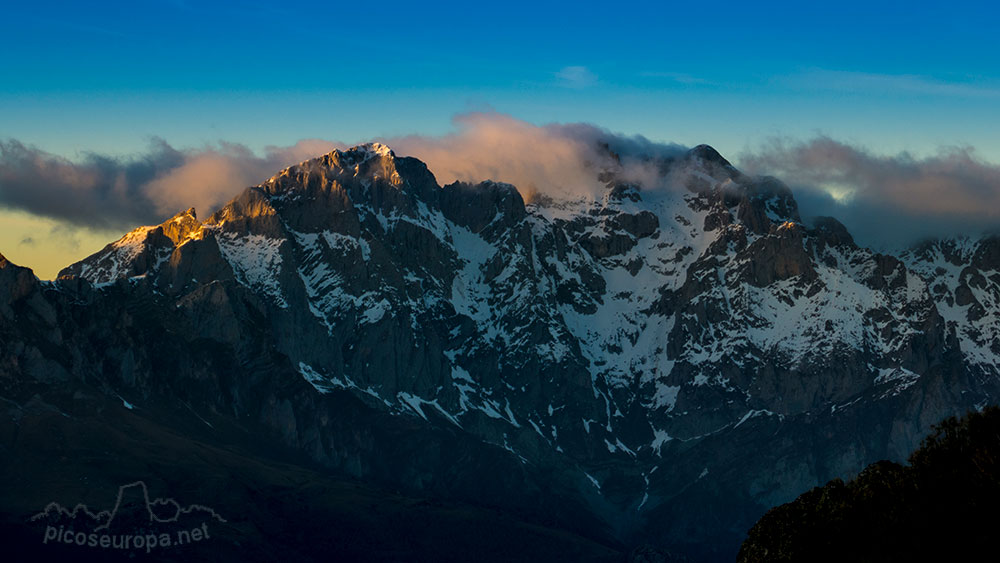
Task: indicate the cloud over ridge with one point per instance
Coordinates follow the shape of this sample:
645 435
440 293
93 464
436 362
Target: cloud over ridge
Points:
120 192
101 191
887 200
558 160
884 200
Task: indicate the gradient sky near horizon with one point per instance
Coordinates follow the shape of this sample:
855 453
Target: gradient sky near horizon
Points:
80 78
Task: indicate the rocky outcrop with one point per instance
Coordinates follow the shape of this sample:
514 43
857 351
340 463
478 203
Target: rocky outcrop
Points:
487 208
16 283
779 256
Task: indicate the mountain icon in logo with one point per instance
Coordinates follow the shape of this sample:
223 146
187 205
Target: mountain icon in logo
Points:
132 505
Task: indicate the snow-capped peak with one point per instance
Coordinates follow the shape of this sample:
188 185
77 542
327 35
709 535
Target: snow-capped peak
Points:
367 151
379 149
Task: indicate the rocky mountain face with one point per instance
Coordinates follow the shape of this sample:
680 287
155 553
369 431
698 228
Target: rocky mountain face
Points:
654 366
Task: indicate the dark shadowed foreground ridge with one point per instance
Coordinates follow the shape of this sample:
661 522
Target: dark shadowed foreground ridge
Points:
939 507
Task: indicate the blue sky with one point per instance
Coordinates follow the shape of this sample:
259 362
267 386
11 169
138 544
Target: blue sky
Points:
881 78
106 76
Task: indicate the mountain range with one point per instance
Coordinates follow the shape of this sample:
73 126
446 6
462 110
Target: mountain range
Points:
651 368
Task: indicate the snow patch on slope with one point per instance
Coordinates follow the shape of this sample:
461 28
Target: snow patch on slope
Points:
256 261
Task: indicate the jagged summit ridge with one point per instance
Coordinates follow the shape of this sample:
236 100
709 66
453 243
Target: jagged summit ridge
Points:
339 161
352 156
